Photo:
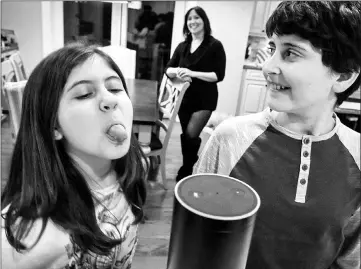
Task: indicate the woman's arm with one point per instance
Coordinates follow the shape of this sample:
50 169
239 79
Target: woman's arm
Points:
206 76
172 72
172 65
216 59
219 60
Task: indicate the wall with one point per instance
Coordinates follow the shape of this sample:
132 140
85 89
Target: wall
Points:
180 10
230 22
52 26
26 20
38 27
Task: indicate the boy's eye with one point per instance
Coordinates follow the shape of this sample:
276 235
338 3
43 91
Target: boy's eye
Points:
271 50
290 53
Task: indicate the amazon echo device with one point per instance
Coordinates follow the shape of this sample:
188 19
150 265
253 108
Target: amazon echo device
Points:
212 223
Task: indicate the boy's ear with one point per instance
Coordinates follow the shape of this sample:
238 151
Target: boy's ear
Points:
57 134
345 81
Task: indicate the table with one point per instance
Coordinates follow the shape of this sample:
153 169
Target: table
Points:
349 113
351 108
143 94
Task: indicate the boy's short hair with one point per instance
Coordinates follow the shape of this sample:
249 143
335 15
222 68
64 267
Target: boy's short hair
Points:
334 27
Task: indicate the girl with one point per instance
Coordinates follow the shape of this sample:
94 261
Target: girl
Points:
76 186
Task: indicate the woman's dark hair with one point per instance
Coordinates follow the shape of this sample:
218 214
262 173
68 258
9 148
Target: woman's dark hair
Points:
334 27
207 25
44 181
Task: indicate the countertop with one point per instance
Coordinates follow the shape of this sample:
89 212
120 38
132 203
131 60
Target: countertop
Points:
252 65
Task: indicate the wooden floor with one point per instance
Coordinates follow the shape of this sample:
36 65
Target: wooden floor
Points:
154 234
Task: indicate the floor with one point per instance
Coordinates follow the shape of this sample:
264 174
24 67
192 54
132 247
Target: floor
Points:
154 234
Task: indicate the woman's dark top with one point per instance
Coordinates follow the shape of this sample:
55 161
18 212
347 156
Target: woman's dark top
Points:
208 57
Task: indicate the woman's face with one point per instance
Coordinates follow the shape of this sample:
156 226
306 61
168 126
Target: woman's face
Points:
95 106
195 23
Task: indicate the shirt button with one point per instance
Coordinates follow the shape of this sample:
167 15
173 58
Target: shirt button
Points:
305 154
306 141
304 167
303 181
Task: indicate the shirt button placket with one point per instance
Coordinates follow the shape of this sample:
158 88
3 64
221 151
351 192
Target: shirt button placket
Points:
304 170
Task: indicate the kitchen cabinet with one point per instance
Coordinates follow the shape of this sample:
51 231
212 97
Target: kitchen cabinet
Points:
261 13
253 92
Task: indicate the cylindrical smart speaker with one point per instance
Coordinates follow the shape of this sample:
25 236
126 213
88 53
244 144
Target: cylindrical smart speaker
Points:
212 225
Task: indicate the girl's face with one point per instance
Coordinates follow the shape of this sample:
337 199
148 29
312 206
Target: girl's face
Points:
94 101
297 80
195 23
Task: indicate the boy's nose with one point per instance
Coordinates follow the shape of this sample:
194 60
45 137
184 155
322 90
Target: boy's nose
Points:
271 66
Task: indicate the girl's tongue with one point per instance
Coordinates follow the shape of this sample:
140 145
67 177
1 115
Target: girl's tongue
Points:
117 133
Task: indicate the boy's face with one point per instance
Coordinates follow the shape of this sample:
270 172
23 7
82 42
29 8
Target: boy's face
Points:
297 80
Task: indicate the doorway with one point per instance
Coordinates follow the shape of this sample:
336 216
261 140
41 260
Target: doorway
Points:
88 22
150 27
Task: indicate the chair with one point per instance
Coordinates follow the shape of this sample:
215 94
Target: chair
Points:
14 93
125 59
170 98
7 72
7 75
17 62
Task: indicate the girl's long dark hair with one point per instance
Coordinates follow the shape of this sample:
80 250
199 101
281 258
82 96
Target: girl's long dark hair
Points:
44 181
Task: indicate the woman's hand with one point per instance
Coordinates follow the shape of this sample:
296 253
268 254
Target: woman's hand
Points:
187 79
184 72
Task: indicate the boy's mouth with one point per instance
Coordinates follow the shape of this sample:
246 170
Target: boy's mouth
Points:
277 87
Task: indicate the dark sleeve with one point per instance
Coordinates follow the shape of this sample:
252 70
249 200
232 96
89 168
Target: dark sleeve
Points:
219 60
174 61
349 255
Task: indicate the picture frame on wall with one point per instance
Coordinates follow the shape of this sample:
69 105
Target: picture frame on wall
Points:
8 40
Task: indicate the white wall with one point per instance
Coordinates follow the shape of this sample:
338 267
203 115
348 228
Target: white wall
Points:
38 27
26 20
180 9
53 26
230 23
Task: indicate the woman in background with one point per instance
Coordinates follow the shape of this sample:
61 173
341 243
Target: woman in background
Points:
201 60
76 187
